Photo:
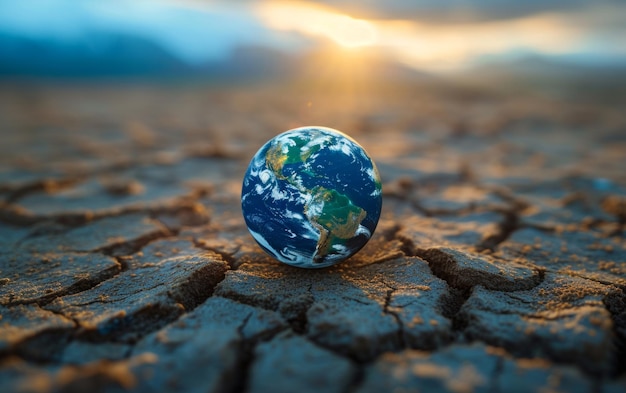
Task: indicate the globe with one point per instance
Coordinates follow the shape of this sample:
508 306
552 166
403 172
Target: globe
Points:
311 197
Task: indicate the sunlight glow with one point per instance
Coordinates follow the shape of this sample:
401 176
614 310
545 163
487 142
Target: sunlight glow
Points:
433 46
451 47
314 20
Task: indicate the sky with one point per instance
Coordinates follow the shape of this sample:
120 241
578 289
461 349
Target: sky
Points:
426 35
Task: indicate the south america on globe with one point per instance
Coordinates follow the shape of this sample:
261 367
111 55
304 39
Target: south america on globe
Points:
311 197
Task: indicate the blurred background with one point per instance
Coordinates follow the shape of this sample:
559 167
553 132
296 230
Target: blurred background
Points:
498 85
374 41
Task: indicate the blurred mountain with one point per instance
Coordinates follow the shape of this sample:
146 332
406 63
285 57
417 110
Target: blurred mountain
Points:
95 55
115 55
121 55
552 69
572 78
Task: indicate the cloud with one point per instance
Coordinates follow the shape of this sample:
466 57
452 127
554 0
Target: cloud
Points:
585 35
455 11
198 33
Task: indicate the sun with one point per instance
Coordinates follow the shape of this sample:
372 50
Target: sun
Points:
348 32
315 20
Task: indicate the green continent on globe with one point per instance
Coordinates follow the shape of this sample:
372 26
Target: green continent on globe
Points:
330 212
299 153
337 219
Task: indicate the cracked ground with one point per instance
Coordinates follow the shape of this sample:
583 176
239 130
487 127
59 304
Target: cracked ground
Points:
498 265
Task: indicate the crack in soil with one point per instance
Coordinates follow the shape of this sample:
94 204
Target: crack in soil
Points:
241 371
17 215
239 379
79 286
497 372
357 378
300 322
506 227
228 257
44 185
621 286
615 303
128 248
387 309
130 328
451 303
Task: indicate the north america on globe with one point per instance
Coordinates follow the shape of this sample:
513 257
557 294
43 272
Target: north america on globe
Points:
311 197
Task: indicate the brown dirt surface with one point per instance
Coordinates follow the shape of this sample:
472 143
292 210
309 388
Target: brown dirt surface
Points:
499 262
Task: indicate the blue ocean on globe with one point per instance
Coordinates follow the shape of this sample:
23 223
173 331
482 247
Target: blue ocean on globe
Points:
311 197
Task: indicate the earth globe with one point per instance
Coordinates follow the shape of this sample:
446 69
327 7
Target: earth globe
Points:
311 197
